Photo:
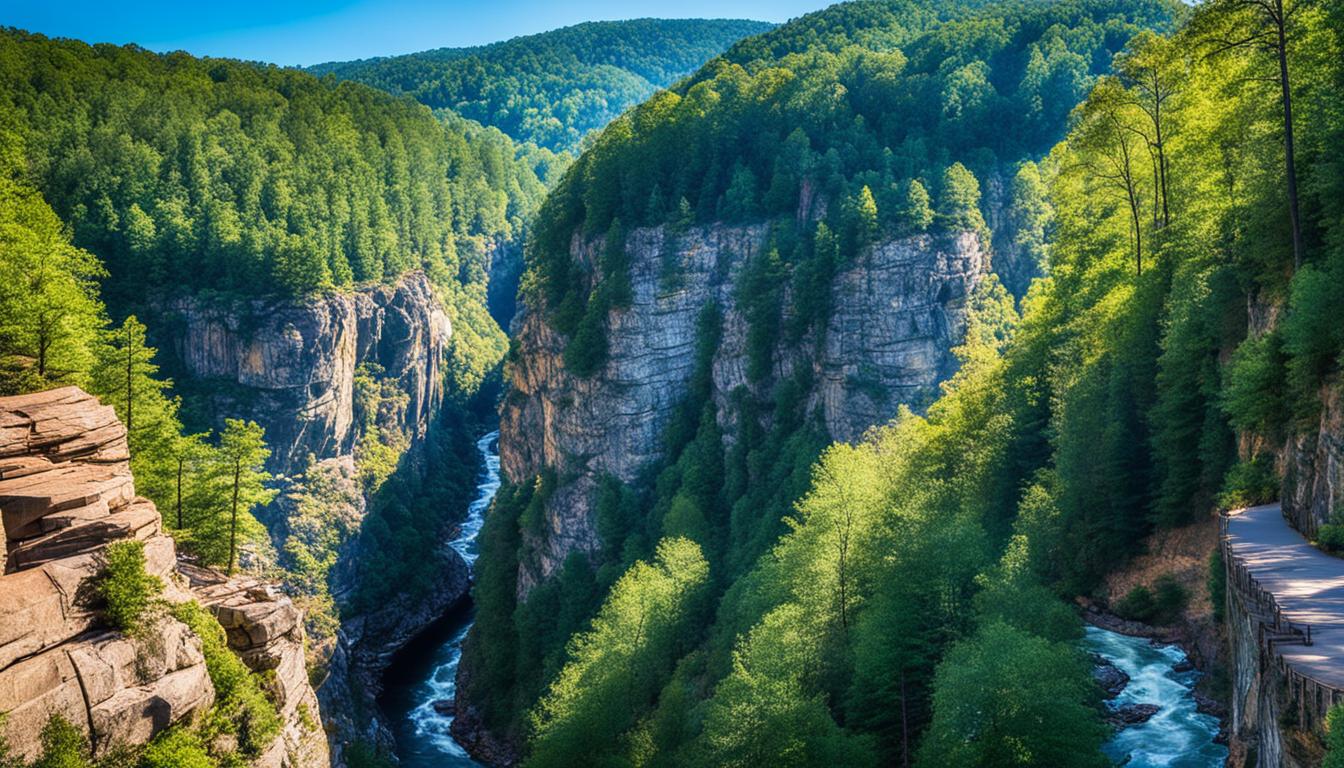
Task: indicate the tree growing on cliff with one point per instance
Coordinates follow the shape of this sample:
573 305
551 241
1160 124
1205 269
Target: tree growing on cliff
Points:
125 376
234 485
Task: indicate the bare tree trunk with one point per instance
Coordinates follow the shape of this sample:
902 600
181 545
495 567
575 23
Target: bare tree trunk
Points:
1288 144
130 358
233 523
179 493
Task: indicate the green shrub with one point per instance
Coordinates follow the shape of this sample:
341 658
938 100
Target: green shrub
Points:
1253 386
176 748
240 701
1169 599
125 587
1334 737
1136 605
1249 483
1330 537
63 746
1160 604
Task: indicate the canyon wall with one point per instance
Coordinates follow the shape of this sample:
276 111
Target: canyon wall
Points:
66 492
1312 463
899 309
291 365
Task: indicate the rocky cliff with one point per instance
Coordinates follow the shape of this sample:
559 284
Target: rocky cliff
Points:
1313 466
66 492
899 308
291 365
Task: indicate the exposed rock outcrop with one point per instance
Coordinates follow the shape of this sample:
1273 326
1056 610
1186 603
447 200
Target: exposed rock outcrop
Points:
290 365
66 492
265 629
1313 467
899 309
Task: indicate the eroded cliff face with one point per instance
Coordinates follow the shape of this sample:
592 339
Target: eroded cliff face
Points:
899 309
1313 467
291 365
66 492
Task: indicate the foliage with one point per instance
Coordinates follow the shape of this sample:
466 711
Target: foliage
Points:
551 89
400 548
49 307
1330 537
1334 738
125 588
242 707
1162 604
177 747
1250 483
622 661
233 176
63 746
1006 698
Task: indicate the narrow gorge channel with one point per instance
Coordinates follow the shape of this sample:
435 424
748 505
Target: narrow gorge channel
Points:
425 672
1177 735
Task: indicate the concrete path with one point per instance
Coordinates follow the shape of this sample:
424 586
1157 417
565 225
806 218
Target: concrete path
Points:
1307 584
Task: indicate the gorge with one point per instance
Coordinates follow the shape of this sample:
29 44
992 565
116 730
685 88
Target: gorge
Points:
911 382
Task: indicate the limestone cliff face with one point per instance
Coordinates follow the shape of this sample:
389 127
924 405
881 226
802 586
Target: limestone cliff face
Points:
290 365
66 492
899 308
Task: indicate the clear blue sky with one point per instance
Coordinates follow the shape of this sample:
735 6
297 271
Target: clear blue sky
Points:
313 31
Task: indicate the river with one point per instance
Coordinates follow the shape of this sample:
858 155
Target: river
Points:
426 670
1177 736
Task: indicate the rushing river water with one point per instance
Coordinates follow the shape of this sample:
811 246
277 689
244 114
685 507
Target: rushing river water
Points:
427 669
1177 736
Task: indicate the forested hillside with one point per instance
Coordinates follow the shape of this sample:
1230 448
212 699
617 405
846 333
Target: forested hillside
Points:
139 179
835 589
208 173
551 89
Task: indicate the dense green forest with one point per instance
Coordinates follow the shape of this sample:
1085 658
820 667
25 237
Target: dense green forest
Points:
553 88
211 173
125 174
908 609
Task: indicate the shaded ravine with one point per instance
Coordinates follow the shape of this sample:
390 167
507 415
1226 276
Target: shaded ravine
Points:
426 670
1177 736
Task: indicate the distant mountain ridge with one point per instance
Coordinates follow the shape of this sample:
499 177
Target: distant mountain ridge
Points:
554 87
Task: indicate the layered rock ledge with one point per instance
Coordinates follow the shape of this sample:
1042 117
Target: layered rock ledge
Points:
66 492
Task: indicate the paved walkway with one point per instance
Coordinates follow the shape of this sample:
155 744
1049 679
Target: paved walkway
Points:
1307 584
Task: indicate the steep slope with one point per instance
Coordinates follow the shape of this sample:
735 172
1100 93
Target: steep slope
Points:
552 88
66 493
782 251
307 254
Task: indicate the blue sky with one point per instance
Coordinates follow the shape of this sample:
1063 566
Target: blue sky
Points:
313 31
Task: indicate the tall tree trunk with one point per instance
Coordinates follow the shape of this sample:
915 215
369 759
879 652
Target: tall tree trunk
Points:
233 523
179 493
130 353
1288 147
1138 231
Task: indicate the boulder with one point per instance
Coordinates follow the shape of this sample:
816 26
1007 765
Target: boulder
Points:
1111 678
1131 714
